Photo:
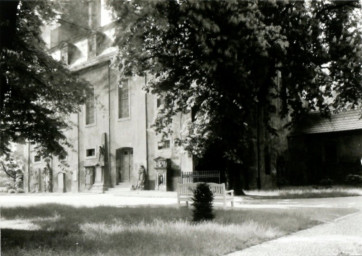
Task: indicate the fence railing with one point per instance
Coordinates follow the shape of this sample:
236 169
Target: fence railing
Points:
201 176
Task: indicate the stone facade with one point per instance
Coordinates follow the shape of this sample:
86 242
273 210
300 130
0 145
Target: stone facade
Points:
111 136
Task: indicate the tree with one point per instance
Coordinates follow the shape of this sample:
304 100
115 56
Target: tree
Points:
37 93
222 60
12 167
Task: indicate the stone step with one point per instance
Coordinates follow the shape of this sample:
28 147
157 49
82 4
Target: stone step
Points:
122 187
98 188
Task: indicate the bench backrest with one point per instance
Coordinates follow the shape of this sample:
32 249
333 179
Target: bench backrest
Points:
188 188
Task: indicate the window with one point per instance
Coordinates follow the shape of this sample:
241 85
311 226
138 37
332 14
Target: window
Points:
91 152
123 100
163 144
90 108
37 158
62 156
159 102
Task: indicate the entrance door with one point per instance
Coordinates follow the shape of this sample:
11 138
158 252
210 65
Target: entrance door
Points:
124 164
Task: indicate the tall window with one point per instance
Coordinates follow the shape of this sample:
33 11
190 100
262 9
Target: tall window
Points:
90 108
123 100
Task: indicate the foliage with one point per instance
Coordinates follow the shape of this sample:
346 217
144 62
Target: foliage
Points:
202 202
354 179
12 168
235 63
37 92
326 182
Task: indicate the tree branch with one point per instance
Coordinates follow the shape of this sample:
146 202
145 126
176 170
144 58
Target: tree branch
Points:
336 6
5 170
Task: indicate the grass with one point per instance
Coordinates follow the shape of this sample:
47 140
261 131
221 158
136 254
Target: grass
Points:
66 230
305 192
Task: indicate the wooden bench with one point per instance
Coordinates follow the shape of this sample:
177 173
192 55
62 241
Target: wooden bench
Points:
185 193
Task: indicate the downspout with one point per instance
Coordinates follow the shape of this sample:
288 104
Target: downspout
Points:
258 180
109 128
78 153
146 128
28 160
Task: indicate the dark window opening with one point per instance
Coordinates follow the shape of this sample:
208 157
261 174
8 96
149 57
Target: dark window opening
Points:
37 158
123 100
62 156
90 152
164 144
159 102
90 108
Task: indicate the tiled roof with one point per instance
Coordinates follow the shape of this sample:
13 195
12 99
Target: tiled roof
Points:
344 121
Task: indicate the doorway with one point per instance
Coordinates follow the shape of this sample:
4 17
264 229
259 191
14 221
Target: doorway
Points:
124 164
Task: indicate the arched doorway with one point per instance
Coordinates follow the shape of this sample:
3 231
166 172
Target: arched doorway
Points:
124 164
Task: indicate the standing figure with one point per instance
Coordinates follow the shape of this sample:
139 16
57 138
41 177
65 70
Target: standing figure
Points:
141 178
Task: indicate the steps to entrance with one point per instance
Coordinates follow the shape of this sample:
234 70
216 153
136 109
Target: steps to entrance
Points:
120 188
98 189
124 189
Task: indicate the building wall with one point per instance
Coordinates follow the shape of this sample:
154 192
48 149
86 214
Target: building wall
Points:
130 132
314 157
89 56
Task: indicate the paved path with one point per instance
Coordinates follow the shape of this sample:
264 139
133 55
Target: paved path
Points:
133 198
89 200
341 237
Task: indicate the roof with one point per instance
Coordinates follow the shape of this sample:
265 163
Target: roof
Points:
343 121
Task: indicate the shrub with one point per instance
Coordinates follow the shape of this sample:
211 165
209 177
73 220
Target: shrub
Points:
11 191
281 182
353 179
202 202
20 190
326 182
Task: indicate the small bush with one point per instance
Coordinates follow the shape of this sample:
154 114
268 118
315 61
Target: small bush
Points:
11 191
202 202
353 179
281 182
326 182
20 190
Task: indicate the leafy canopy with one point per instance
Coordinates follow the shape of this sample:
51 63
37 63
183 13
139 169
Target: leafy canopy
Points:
37 92
221 60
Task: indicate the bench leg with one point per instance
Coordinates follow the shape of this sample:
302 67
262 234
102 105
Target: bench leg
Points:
232 203
187 204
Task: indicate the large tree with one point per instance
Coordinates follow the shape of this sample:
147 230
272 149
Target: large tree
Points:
37 93
221 60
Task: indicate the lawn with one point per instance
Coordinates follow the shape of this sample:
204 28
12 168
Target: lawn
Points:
66 230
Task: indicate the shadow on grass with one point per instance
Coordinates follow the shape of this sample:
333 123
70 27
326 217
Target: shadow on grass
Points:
11 238
67 230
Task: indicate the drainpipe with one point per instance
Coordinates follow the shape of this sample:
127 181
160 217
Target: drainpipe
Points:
109 128
258 180
146 126
78 153
28 160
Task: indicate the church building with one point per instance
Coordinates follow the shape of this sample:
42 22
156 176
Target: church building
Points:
111 137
